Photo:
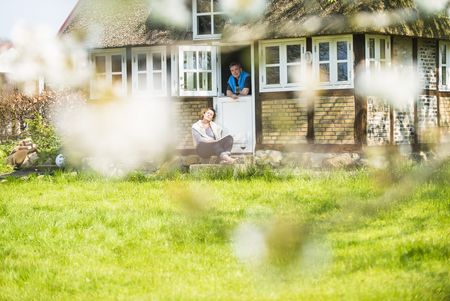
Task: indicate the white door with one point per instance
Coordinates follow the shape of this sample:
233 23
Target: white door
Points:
237 119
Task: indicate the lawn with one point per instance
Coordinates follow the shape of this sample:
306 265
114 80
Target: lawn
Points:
313 235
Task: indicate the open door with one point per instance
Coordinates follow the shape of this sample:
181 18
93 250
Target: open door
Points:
237 117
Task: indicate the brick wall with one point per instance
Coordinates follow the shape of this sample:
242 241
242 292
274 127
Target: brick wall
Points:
404 124
284 121
378 121
444 111
334 119
427 115
426 63
187 112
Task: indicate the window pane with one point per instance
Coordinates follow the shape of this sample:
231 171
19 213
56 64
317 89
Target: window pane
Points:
190 60
294 74
205 81
444 54
156 61
157 81
382 49
142 82
272 75
219 23
205 60
216 6
117 80
116 61
204 24
142 62
324 72
372 48
273 55
190 81
342 72
100 64
203 6
341 50
444 76
293 53
324 51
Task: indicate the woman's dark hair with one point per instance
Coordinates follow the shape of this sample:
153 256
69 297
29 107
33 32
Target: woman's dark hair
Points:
204 110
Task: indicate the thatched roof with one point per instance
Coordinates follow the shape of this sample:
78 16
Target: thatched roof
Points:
117 23
287 18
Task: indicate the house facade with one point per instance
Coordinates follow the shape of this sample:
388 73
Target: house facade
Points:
303 57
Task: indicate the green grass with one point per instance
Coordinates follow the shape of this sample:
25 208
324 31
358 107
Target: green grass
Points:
79 237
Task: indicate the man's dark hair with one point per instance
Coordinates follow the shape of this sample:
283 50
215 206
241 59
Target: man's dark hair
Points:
235 64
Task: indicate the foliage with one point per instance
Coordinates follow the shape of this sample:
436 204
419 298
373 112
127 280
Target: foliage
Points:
78 236
43 134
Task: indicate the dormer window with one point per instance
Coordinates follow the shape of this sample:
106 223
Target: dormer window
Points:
208 19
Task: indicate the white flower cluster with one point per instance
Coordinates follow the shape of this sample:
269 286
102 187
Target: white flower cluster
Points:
39 53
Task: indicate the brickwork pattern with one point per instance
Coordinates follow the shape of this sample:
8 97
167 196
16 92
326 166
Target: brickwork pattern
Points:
426 63
378 121
404 131
187 112
427 115
444 111
284 121
334 119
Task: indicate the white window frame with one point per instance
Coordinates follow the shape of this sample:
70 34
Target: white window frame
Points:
212 14
197 70
148 52
283 65
444 46
108 53
377 60
333 62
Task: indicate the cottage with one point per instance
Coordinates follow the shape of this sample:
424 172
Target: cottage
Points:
303 57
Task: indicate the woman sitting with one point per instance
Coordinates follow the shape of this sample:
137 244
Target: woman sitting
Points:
208 138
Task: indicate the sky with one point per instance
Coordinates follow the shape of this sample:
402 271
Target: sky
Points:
50 13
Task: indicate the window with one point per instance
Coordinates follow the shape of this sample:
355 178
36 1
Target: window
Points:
444 60
109 68
149 71
282 65
208 21
197 69
333 61
378 52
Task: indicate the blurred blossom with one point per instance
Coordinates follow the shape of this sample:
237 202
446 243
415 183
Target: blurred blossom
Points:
163 11
399 86
39 53
193 199
432 6
243 10
116 135
383 19
244 33
249 243
285 242
315 257
312 24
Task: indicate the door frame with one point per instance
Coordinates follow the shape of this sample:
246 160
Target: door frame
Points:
252 70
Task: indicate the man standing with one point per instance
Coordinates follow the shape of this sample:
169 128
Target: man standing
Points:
239 82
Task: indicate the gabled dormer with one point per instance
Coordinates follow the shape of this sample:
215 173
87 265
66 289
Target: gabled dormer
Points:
208 19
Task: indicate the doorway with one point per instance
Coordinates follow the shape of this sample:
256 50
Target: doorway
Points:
237 117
